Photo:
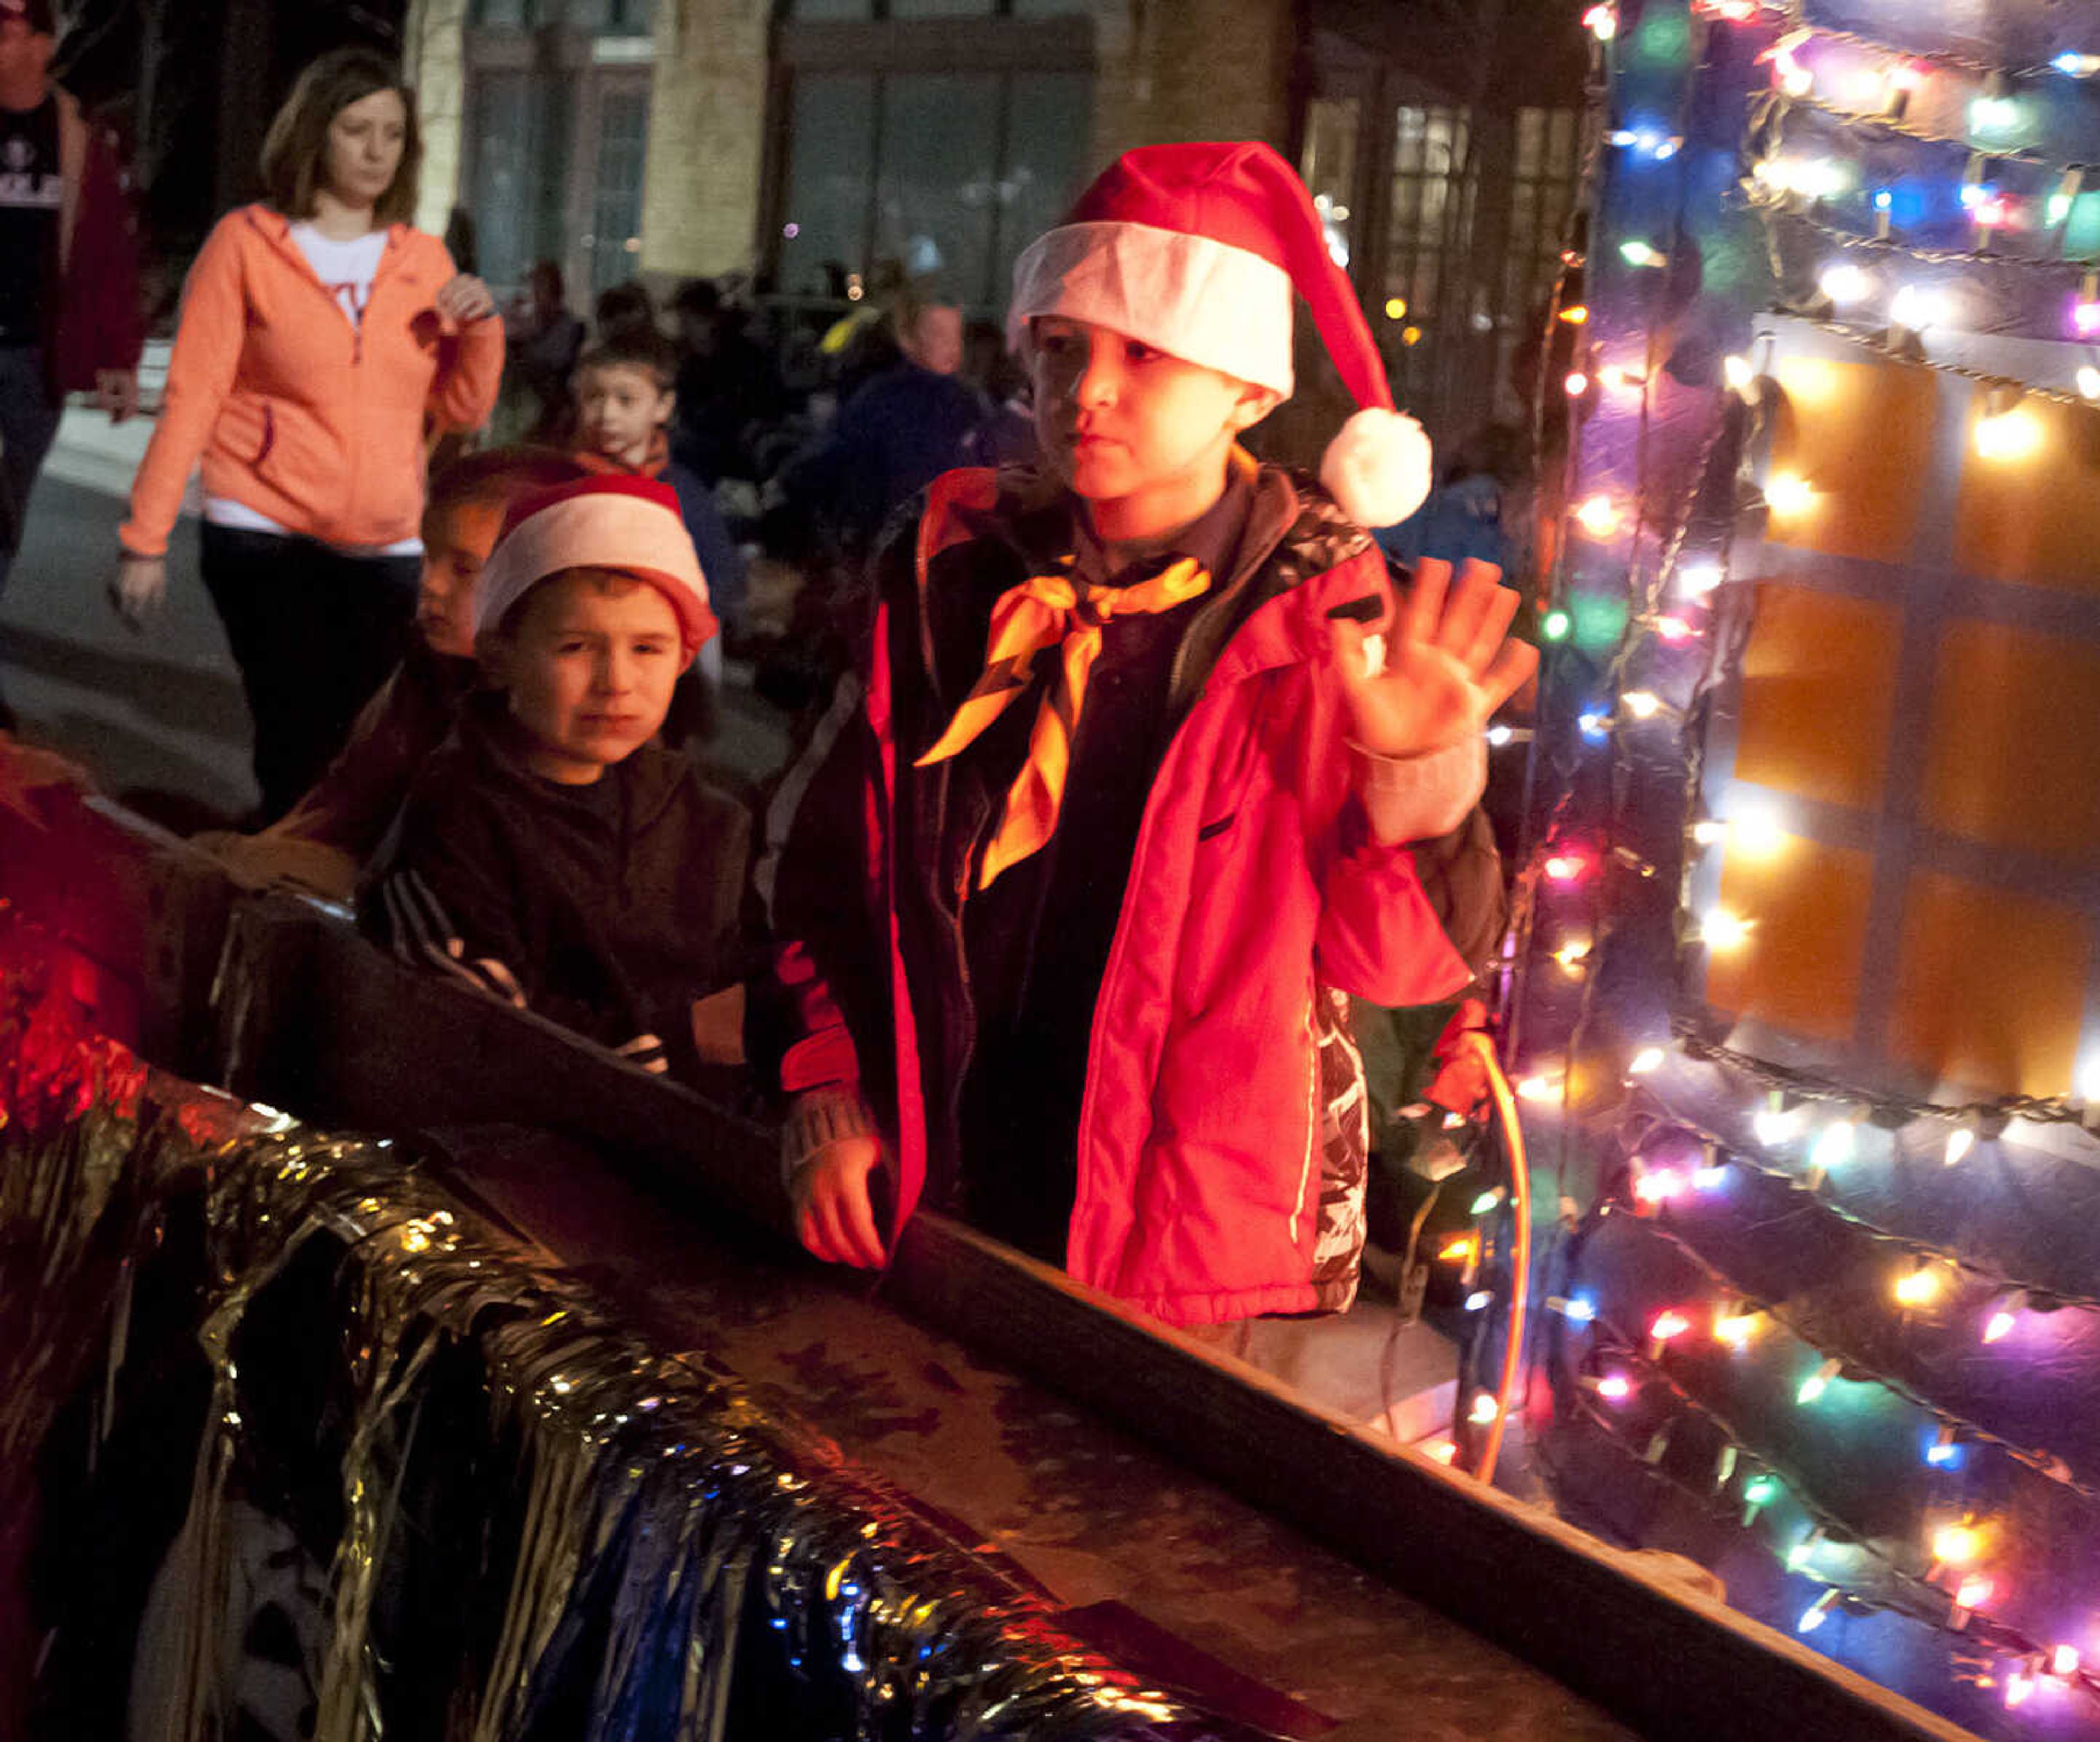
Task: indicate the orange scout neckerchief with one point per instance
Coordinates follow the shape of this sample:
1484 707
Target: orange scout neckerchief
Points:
1048 611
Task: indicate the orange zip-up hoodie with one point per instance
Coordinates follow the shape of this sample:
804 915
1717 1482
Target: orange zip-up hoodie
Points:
296 413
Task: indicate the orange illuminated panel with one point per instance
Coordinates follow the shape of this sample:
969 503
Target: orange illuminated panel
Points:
1819 683
1990 986
2014 758
1797 967
1851 457
2027 511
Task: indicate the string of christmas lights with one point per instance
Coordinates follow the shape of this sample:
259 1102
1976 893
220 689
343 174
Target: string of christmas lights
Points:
1606 1379
1614 925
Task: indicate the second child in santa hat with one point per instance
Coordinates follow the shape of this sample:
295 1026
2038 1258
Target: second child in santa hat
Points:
1071 887
552 852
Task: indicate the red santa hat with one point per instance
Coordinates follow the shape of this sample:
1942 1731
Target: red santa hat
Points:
617 522
1197 249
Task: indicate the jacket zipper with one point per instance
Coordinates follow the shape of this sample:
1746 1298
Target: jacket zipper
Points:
1147 827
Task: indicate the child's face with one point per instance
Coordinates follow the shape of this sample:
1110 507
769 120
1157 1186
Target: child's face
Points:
588 668
620 408
456 542
1141 436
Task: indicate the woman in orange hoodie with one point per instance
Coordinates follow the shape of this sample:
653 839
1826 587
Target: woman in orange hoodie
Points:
319 330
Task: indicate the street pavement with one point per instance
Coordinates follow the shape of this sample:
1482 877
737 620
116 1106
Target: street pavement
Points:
157 715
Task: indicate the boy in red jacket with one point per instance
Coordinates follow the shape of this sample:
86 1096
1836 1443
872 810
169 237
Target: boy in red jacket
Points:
1128 781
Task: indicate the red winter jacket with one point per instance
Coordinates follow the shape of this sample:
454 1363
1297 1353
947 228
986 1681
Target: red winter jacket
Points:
1254 885
94 321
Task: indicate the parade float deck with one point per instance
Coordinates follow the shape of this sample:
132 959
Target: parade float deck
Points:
992 1472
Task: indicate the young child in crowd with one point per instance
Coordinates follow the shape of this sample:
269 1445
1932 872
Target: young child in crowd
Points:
625 393
1128 781
325 839
552 852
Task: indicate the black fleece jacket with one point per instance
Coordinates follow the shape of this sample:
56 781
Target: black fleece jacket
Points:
608 908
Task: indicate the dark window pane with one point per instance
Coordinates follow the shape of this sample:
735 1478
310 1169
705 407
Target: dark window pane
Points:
830 9
623 147
519 124
1049 122
941 8
1049 8
831 174
936 184
1329 168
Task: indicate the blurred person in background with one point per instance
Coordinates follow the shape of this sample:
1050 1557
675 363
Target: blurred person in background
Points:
69 316
542 341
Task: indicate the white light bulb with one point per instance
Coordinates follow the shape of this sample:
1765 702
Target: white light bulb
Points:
1721 929
1916 308
1845 282
1695 579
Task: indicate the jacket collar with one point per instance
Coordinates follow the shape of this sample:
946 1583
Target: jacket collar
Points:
276 228
1293 565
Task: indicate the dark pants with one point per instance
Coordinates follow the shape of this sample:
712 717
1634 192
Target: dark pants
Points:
314 633
27 422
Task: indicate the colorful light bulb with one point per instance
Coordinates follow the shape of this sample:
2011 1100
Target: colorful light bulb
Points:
2008 435
1647 1059
1721 929
1637 253
1788 493
1818 1611
1915 308
1835 1144
1973 1591
1485 1409
1599 516
1845 282
1955 1546
1917 1288
1819 1382
1615 1387
2063 1660
1736 1329
1960 1141
1667 1324
1555 625
2004 1315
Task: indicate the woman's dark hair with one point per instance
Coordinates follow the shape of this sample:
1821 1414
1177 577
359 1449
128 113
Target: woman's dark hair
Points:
295 152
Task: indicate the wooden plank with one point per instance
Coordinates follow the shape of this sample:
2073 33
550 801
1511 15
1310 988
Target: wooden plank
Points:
1669 1663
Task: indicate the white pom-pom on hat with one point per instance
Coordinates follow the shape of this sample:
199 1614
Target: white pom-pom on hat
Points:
1378 467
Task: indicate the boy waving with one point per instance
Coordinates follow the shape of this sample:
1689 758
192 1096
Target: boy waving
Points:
1071 882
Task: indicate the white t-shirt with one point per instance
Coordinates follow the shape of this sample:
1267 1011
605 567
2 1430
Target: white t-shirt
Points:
346 271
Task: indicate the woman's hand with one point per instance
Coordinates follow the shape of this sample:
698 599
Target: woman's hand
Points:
1447 666
834 1209
466 298
140 586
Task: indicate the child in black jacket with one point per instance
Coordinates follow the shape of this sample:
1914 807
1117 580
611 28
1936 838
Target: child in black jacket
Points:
552 852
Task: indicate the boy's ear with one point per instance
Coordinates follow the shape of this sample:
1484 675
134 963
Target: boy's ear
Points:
1254 404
